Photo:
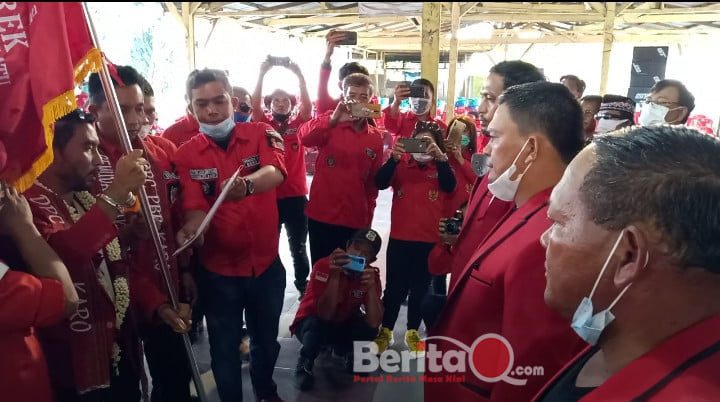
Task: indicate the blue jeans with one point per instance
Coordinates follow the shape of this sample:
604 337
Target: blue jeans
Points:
225 298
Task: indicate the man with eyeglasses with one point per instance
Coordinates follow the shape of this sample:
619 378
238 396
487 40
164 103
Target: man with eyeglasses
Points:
669 102
615 113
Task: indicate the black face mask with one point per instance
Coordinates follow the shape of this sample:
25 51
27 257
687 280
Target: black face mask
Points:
281 118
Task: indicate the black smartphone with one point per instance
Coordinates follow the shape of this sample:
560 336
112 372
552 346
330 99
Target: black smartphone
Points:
417 91
414 145
350 38
279 61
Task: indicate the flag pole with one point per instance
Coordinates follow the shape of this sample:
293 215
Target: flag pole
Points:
114 106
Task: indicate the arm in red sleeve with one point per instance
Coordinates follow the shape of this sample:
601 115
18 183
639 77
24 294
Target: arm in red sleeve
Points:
440 260
315 132
83 240
538 335
392 123
370 188
29 301
324 101
144 293
272 153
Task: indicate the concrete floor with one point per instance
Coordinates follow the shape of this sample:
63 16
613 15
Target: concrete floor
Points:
331 383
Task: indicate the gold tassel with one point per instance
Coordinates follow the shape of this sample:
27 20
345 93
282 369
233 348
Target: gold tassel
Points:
53 111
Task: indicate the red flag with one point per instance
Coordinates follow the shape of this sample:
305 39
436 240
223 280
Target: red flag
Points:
45 51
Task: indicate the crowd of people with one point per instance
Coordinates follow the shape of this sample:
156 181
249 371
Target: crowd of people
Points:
589 242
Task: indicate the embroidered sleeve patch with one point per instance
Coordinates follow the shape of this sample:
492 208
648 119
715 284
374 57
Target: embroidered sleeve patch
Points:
322 276
274 140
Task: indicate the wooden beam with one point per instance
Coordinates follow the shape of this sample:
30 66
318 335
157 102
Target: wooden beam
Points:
172 9
533 17
273 13
189 22
453 59
214 7
624 7
608 39
194 7
598 7
289 22
467 8
499 7
430 51
662 18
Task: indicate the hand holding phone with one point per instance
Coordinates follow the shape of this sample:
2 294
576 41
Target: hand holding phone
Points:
418 91
349 38
369 110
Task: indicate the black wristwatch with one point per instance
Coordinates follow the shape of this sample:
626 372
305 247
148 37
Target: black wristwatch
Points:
249 186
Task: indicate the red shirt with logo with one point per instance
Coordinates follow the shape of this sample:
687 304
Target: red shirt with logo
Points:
27 302
295 184
242 239
182 130
353 293
418 202
403 125
343 190
465 179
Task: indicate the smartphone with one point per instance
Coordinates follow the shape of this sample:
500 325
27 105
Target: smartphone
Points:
417 91
370 110
480 164
356 264
350 38
279 61
414 145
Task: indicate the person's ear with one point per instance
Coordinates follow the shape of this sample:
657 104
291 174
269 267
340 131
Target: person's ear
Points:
235 102
531 149
679 114
634 255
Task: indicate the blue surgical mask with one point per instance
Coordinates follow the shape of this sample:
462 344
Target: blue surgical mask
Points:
218 131
590 326
241 118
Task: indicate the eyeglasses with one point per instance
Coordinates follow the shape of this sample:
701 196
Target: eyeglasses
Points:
648 101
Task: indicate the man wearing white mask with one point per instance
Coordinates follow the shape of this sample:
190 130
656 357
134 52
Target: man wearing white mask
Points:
536 131
633 265
615 113
241 269
669 102
402 124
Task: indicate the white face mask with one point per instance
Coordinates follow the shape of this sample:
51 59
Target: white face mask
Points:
504 188
652 114
607 125
422 158
419 106
590 326
218 131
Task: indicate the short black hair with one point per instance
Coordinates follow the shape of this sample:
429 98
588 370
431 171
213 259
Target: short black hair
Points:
64 128
579 84
241 90
592 98
425 82
352 68
548 108
146 88
128 75
666 177
516 72
358 80
685 97
437 133
198 78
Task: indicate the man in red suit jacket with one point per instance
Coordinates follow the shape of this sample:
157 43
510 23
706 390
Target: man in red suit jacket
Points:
633 264
534 134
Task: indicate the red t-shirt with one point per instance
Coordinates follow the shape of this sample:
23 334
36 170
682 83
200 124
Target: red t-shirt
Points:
182 130
295 184
242 239
343 190
403 125
354 294
27 302
418 202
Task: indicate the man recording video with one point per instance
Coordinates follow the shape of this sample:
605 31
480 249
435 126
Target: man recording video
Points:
341 305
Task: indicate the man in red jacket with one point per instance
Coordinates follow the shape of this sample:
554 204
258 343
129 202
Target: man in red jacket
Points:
163 344
325 103
633 264
343 191
241 267
535 133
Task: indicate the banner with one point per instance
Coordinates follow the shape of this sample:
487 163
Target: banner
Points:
45 52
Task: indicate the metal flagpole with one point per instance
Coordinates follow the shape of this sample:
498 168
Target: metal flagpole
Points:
114 106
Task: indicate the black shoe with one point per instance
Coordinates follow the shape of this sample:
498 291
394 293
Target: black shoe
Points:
304 378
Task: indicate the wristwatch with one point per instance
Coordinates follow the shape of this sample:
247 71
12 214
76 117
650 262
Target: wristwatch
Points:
249 186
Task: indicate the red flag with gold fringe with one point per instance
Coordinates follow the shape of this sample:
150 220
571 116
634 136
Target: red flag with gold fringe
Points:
45 51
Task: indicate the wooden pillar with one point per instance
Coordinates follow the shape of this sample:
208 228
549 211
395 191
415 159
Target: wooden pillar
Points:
188 19
452 74
608 38
430 45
